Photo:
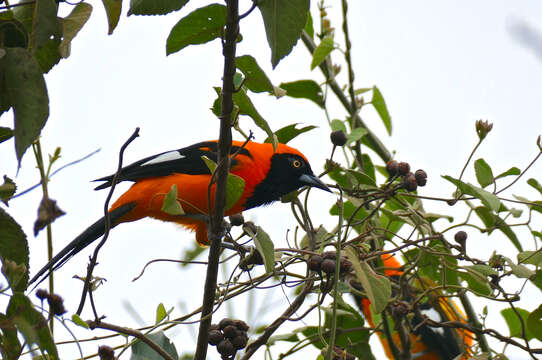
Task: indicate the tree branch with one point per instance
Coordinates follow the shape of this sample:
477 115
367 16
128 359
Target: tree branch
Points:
215 229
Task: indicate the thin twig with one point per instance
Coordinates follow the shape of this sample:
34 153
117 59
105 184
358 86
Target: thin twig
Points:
92 264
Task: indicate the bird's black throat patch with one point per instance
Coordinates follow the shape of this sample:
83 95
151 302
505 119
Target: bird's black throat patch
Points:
281 179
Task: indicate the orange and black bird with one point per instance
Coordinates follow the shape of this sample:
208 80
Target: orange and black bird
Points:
427 343
268 175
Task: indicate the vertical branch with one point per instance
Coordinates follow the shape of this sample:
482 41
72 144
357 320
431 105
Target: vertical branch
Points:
215 229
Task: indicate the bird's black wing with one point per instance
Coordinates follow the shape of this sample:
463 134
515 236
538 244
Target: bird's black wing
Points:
182 161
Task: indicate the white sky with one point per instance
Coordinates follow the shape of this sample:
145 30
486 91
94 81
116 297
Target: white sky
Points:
440 66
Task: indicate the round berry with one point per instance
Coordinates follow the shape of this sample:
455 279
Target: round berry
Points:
215 337
239 342
237 220
231 331
106 353
345 265
225 322
42 294
460 237
421 177
315 263
403 168
241 325
328 266
392 167
338 138
409 182
225 348
329 255
56 304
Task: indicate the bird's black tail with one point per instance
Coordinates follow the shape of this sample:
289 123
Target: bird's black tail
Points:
79 243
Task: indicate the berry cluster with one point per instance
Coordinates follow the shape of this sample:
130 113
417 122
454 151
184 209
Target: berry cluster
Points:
410 181
228 337
56 303
327 262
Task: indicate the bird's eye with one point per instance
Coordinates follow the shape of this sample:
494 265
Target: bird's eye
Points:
296 163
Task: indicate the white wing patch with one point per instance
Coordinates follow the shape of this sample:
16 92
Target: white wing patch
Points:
435 316
168 156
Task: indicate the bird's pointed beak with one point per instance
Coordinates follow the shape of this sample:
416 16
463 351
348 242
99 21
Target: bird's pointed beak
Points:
312 180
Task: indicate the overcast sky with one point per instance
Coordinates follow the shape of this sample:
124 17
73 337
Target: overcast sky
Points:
440 66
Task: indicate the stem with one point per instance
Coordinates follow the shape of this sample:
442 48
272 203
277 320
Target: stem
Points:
215 230
44 180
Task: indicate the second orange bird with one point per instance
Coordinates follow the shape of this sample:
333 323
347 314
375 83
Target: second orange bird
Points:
268 175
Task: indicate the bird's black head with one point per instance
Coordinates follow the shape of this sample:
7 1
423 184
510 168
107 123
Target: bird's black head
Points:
288 172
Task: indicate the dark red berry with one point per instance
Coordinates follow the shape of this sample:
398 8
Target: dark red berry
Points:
42 294
241 325
214 327
400 309
215 337
56 304
461 238
225 322
409 182
338 138
315 263
328 266
226 348
237 220
392 167
231 331
421 177
239 342
403 168
106 353
329 255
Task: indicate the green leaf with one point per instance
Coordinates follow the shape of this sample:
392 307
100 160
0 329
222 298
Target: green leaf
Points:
490 200
337 124
171 205
142 351
7 189
535 184
376 287
264 245
323 49
537 279
235 185
13 249
41 22
241 99
284 20
113 9
287 133
514 323
534 323
530 257
476 281
255 78
484 175
48 55
78 321
309 28
154 7
356 135
380 106
493 221
200 26
72 24
362 91
30 323
28 95
304 89
509 172
161 313
520 271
